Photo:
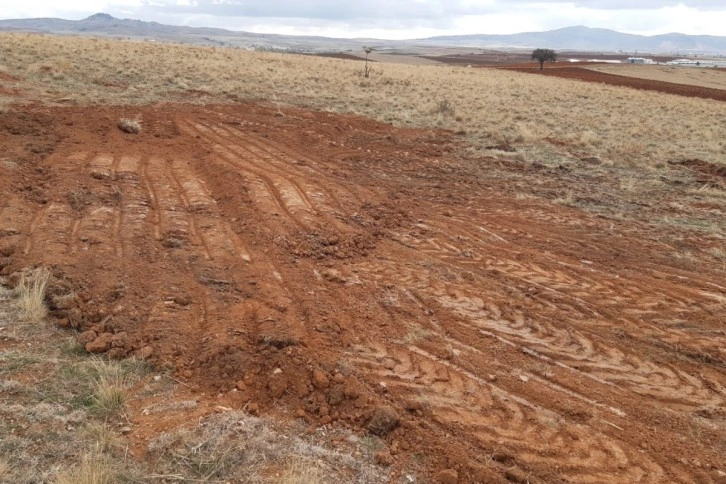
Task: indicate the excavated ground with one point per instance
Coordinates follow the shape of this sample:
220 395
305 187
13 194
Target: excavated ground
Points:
337 270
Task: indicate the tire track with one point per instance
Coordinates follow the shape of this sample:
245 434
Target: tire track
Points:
50 232
300 196
536 437
565 344
261 187
218 239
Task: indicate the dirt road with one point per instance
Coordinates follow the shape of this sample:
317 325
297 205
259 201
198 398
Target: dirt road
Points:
327 267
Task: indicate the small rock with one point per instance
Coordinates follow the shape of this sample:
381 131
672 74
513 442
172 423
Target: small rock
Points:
338 378
383 458
384 419
448 476
326 420
183 300
87 337
100 344
320 380
125 430
277 386
253 409
145 352
301 413
241 386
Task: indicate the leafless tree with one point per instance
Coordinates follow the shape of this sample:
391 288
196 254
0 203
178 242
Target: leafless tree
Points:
367 68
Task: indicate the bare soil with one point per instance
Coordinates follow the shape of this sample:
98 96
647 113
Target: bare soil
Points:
589 75
348 274
693 76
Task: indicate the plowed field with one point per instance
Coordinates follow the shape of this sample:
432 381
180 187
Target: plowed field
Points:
590 75
328 267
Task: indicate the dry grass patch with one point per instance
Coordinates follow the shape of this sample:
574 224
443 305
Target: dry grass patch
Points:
31 294
239 447
303 471
4 469
616 124
94 468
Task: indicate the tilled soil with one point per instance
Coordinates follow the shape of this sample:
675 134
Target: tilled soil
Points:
337 270
589 75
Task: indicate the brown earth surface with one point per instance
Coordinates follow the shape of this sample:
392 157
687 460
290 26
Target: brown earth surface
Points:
588 75
347 273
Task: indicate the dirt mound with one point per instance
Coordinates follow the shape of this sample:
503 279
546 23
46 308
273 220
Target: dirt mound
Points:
336 270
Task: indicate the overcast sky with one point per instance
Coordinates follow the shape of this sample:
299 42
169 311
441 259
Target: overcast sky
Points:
390 19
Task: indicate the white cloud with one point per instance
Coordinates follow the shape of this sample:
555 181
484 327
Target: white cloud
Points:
399 19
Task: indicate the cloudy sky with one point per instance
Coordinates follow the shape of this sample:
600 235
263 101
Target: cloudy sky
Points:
391 19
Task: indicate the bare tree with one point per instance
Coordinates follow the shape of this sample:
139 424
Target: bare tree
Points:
367 68
544 55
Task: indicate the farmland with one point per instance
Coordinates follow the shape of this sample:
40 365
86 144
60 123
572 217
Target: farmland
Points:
439 273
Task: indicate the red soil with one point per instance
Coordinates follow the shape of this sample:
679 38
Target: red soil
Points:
588 75
341 270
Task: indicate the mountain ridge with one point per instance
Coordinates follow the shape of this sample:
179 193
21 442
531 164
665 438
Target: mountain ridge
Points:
574 38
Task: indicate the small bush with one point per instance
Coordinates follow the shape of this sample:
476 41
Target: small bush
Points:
31 294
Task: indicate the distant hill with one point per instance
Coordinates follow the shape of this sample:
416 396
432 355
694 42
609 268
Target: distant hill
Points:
588 39
570 38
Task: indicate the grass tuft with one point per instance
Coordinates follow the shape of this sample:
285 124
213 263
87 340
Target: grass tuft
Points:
94 468
109 398
31 295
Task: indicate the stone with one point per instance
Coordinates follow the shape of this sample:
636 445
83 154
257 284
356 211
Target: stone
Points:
384 419
448 476
383 458
320 380
87 337
100 344
277 385
145 352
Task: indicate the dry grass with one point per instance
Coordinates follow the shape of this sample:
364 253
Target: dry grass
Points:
238 447
31 295
302 471
616 124
94 468
4 469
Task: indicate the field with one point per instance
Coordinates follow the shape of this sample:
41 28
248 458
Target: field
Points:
691 76
290 273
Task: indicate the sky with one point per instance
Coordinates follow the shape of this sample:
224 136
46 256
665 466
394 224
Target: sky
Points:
390 19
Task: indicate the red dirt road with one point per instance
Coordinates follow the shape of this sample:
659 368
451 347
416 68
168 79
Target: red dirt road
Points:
329 266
